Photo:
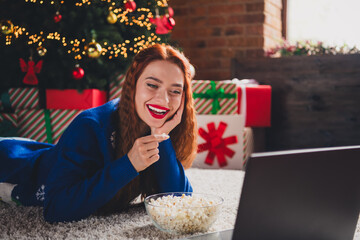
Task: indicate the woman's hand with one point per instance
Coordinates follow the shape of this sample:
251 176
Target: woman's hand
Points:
145 151
172 123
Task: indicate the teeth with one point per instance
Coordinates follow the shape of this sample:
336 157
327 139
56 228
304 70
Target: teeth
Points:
157 110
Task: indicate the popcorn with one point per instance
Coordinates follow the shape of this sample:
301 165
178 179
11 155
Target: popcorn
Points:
183 213
162 136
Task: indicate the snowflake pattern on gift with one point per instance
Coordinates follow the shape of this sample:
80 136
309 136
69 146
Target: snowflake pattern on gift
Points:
40 193
112 139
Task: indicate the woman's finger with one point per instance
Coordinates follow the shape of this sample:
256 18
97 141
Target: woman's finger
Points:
153 159
153 138
152 152
147 139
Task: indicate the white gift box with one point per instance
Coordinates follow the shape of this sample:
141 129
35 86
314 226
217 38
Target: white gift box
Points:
223 140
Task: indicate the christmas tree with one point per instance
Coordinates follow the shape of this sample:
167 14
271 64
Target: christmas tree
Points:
76 44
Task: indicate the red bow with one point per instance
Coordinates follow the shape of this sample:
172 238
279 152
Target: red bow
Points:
216 144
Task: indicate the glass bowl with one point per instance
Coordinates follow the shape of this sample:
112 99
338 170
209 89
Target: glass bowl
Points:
183 212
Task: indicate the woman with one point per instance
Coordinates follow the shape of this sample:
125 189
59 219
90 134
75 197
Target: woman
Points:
111 154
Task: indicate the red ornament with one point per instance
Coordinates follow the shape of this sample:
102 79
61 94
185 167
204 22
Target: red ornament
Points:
30 68
130 5
169 22
57 17
78 73
160 25
170 12
216 145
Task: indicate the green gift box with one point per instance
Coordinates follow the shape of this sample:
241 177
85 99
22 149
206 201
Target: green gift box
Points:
212 97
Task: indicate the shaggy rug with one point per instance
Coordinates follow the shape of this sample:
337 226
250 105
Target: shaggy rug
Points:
28 223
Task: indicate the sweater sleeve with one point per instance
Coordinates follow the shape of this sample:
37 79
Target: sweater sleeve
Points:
169 172
83 180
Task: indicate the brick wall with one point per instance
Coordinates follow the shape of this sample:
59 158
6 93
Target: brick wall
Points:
212 32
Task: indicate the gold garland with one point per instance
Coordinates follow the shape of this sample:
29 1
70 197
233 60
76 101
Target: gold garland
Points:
76 46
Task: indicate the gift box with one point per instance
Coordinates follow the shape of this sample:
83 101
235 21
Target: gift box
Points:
10 117
8 125
223 142
212 97
44 125
20 98
258 99
115 87
258 103
73 99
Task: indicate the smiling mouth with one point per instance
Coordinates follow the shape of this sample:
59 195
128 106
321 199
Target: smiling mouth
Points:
157 112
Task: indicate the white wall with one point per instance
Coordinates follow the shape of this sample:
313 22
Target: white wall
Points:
334 22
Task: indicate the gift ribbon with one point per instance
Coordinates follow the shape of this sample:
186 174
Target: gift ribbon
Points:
216 145
214 94
48 126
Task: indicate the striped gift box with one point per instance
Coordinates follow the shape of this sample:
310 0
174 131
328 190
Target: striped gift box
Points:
45 125
212 97
24 98
248 144
10 117
32 125
115 87
60 120
8 125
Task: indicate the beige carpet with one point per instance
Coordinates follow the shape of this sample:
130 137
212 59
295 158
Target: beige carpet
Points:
28 223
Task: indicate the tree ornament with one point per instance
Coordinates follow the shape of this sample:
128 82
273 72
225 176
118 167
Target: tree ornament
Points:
168 21
57 17
171 22
170 11
160 23
93 49
111 18
78 73
30 68
130 5
6 27
41 51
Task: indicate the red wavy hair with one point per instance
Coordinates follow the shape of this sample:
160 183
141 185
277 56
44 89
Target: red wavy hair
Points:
130 126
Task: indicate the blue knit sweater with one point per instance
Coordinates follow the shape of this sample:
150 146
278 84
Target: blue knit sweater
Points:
80 174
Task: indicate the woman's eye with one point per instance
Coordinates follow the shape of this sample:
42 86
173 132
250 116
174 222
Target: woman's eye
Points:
151 85
177 92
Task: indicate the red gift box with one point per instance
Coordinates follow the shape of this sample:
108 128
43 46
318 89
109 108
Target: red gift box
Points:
258 107
73 99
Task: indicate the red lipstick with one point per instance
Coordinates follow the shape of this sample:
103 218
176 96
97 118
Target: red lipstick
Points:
157 111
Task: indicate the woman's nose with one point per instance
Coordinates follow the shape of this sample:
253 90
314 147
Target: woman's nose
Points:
163 97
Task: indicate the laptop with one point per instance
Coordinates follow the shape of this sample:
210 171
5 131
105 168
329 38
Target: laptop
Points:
298 194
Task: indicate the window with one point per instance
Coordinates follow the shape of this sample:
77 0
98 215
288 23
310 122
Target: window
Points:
334 22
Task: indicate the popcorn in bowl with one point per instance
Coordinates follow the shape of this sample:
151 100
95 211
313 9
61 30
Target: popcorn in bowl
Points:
183 213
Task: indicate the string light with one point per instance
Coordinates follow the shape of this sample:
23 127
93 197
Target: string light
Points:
75 46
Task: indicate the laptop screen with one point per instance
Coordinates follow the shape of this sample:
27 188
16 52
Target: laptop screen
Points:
301 194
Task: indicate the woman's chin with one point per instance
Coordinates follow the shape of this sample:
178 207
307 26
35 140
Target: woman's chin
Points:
155 124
